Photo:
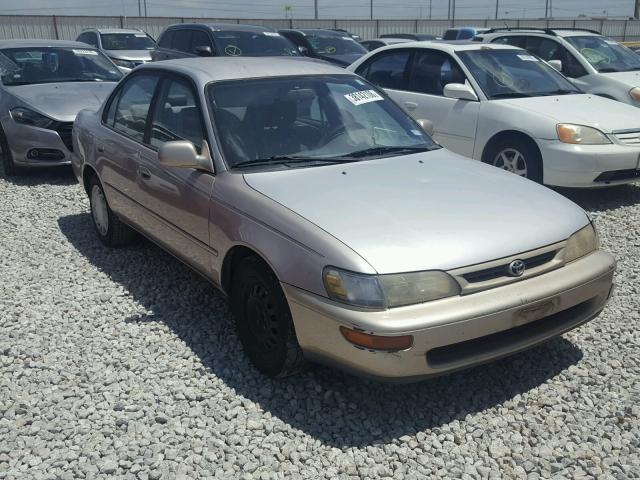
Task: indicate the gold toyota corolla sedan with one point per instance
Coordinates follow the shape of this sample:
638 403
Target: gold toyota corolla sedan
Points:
339 230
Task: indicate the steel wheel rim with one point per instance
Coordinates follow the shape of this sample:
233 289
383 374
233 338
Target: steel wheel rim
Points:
511 160
262 317
99 210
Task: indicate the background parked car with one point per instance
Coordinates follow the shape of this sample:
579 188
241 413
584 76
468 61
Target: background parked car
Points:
595 63
502 105
463 33
212 40
416 37
127 47
45 83
239 167
381 42
328 45
355 36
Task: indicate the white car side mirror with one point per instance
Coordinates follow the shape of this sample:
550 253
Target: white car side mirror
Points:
556 64
460 91
426 125
183 154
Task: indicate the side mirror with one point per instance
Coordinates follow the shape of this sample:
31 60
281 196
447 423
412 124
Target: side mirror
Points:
426 125
556 64
183 154
460 91
204 51
303 50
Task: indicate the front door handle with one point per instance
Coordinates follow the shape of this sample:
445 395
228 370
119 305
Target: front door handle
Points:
144 173
411 105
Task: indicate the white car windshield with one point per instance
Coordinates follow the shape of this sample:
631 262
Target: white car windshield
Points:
514 73
55 65
604 54
127 41
334 45
310 121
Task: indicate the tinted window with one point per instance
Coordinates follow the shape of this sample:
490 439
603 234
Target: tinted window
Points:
127 41
182 41
516 41
200 39
89 38
253 44
431 71
372 45
135 99
167 39
548 49
604 54
177 115
387 70
450 35
334 45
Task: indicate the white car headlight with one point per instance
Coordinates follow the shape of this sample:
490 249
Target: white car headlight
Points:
387 291
580 135
581 243
635 93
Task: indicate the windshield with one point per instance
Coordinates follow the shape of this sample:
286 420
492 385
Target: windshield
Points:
604 54
514 73
253 44
55 65
334 45
127 41
314 119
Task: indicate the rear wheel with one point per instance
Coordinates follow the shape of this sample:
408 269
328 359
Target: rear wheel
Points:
111 231
518 157
263 320
8 166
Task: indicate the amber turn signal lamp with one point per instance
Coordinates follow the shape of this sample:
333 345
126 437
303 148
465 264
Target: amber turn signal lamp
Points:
377 342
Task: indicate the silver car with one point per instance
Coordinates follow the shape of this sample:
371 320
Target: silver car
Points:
127 47
45 83
339 230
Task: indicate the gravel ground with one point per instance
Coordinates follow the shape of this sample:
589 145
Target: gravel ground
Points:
124 364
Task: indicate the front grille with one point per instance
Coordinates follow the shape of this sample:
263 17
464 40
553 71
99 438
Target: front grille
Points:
628 137
501 270
618 175
64 130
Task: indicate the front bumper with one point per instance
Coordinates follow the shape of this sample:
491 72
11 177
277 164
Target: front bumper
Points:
457 332
568 165
24 138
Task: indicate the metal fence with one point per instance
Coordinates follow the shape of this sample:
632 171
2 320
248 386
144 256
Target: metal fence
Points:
68 27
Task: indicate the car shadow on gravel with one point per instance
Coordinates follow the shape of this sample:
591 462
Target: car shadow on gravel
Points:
602 199
337 409
41 176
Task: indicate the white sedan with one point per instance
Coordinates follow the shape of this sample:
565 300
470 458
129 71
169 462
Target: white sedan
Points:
508 108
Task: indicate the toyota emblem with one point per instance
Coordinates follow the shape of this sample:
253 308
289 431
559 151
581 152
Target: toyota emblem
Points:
516 268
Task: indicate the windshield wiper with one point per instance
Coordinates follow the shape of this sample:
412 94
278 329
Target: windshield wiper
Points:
382 150
287 160
511 95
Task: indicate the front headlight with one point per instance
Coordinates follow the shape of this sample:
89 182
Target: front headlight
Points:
580 135
635 93
29 117
581 243
387 291
124 63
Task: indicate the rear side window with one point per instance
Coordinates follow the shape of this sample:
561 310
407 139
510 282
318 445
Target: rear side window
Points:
182 41
133 106
450 35
167 39
387 70
516 41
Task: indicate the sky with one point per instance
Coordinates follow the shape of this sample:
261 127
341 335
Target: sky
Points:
330 9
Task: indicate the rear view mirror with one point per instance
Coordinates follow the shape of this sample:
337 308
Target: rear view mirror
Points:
556 64
460 91
204 51
426 125
183 154
303 50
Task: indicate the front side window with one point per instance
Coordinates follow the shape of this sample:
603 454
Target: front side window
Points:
133 106
253 44
182 41
199 40
431 71
127 41
604 54
177 115
309 121
387 70
548 49
334 45
88 38
167 39
55 65
514 73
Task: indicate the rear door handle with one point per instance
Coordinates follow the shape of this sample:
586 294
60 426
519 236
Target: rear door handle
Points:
144 173
411 105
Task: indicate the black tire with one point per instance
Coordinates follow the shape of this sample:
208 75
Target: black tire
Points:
263 320
8 166
114 233
529 157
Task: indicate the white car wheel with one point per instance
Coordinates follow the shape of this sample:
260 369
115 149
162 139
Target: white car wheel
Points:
99 210
511 160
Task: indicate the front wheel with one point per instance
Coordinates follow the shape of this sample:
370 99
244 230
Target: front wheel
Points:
263 320
517 157
111 231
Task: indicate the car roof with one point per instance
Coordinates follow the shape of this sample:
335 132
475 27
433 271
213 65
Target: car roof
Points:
221 27
113 30
552 32
451 46
24 43
211 69
315 31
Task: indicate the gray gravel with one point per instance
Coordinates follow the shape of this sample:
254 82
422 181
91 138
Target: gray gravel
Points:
124 364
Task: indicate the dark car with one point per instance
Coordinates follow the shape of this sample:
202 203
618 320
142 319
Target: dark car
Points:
212 40
335 47
463 33
416 37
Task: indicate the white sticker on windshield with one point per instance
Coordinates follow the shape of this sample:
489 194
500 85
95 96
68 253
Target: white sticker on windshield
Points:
271 34
362 97
84 52
528 58
140 35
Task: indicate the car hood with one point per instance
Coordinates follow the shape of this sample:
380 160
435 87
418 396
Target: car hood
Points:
63 101
429 211
133 55
591 110
630 78
342 60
